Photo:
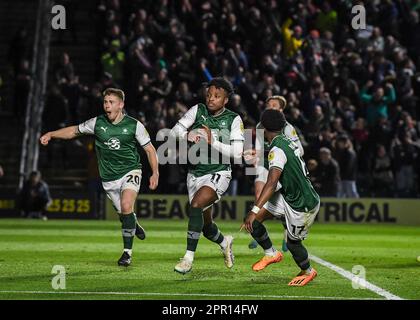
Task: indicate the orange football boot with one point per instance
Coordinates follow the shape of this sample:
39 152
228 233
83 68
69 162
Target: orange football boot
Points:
302 278
267 260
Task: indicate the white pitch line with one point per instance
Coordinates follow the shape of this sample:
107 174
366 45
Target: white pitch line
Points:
352 277
183 295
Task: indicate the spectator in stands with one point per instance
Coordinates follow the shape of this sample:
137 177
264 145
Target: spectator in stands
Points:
405 155
377 103
328 174
161 87
313 175
113 62
382 175
291 38
64 70
1 172
73 92
347 161
326 20
34 197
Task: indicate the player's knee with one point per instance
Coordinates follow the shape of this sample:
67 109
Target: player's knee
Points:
126 207
196 204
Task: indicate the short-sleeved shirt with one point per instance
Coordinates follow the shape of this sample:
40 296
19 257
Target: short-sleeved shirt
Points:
296 188
226 127
115 144
289 131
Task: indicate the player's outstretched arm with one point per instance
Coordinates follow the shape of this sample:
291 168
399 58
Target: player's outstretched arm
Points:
266 193
153 161
64 133
270 186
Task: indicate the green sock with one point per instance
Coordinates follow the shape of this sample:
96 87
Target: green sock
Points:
128 229
260 234
212 232
299 253
195 225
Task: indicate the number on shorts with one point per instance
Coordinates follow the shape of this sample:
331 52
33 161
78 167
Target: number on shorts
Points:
215 177
136 179
298 227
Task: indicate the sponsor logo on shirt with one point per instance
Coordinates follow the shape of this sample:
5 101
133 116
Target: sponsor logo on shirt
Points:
113 144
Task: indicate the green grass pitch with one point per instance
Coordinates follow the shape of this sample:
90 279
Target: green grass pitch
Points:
89 251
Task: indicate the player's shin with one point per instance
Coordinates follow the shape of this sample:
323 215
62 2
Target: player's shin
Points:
128 230
195 225
299 253
212 232
260 235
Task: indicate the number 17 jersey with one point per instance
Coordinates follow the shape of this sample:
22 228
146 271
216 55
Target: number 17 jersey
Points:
296 189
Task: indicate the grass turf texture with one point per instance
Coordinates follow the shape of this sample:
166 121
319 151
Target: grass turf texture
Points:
89 251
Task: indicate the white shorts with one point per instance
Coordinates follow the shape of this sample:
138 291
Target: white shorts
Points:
298 223
218 181
262 174
114 189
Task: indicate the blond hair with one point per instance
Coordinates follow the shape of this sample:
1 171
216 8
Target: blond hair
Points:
280 99
114 91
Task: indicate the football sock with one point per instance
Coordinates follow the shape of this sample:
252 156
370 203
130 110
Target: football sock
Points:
128 229
308 271
189 255
260 234
212 232
129 251
195 225
270 252
299 253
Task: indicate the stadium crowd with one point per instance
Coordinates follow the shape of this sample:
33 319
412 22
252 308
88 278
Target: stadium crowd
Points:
352 94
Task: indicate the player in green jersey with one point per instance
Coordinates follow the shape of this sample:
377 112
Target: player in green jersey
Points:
296 199
275 103
220 130
116 135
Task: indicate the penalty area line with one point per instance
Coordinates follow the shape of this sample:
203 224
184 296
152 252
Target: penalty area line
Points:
255 296
352 277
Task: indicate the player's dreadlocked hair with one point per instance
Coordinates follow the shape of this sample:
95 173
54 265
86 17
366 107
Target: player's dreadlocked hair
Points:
221 83
273 120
